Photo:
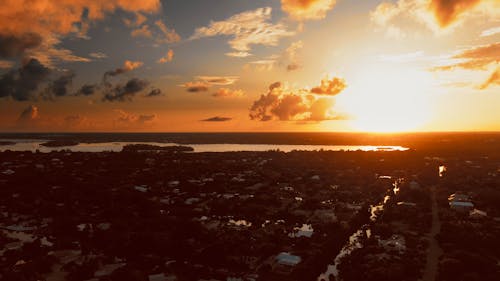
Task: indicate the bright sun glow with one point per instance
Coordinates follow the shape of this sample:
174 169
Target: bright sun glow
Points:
383 99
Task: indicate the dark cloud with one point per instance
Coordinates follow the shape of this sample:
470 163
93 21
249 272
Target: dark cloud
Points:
28 114
12 46
125 92
21 84
87 90
274 86
154 93
217 119
330 87
301 105
195 87
447 11
127 66
59 87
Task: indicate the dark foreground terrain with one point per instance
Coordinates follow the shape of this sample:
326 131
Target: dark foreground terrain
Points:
170 215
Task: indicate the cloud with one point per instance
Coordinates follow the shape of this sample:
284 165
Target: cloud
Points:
330 87
448 11
130 120
169 35
143 31
440 16
238 54
226 93
301 10
35 26
301 105
98 55
77 122
87 90
137 21
168 57
218 80
203 83
125 92
246 29
262 65
474 58
59 87
291 54
491 31
494 79
29 114
196 86
21 84
127 66
154 93
12 46
217 119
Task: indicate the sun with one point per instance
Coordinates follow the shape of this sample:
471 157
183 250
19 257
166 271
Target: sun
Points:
388 99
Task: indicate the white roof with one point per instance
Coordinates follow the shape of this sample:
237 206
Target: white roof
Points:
288 259
461 204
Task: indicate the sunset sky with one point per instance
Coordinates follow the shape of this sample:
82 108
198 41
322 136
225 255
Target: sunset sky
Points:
250 65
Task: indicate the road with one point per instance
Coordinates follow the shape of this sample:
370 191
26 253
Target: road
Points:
434 251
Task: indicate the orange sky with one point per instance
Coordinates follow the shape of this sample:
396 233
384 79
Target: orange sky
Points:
262 65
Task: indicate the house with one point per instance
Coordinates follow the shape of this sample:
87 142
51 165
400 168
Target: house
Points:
460 202
285 262
461 206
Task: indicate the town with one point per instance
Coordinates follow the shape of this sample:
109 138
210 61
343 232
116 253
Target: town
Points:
158 215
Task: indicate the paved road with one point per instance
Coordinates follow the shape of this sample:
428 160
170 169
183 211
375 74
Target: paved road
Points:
434 251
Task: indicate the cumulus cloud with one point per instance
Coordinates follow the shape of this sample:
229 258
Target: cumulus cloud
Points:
127 66
307 9
246 29
29 114
494 79
437 15
169 34
143 31
60 86
168 57
330 87
154 93
125 92
87 90
13 46
227 93
127 120
448 11
22 84
28 25
301 105
217 119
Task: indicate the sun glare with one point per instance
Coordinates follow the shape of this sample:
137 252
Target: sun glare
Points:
385 99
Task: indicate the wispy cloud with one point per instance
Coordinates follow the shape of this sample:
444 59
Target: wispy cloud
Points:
246 29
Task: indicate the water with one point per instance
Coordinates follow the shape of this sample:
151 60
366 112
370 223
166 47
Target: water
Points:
33 145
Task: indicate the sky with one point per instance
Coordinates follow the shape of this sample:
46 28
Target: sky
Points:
249 65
